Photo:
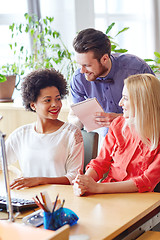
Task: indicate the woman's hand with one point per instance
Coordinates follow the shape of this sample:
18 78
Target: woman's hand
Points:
84 184
22 182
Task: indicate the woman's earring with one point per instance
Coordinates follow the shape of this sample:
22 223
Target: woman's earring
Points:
33 107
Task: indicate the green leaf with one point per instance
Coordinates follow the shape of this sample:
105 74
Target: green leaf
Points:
27 28
50 32
56 34
29 19
148 60
50 19
110 37
10 45
22 72
11 27
21 49
32 32
26 15
20 28
2 78
121 50
46 30
113 47
110 27
123 30
157 54
45 21
158 61
47 65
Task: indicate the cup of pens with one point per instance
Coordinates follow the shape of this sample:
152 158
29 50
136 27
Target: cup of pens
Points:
54 214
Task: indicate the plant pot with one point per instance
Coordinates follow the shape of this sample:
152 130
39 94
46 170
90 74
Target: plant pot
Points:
7 89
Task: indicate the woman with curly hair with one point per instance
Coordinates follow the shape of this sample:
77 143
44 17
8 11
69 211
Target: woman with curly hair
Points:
49 151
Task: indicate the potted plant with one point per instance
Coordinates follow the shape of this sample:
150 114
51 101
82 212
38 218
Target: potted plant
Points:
13 72
47 50
7 85
115 48
155 64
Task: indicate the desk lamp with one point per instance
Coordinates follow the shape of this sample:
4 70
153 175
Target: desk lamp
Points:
6 178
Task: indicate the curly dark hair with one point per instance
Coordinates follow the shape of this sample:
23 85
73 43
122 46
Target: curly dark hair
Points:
40 79
93 40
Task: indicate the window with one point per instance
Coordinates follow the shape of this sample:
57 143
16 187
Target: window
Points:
10 11
137 15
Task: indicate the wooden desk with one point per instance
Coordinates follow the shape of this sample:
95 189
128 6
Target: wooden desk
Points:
150 235
101 216
18 231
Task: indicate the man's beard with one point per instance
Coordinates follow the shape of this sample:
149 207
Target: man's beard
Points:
92 77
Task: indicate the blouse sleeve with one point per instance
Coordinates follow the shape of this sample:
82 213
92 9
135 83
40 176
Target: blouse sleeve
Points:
151 176
10 150
102 163
10 154
75 159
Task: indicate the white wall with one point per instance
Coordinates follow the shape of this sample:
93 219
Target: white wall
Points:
64 17
70 16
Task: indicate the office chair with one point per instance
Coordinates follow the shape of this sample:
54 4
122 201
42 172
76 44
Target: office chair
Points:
90 140
157 188
157 227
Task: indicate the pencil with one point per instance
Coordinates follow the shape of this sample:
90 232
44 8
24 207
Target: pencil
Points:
39 204
63 203
43 198
55 203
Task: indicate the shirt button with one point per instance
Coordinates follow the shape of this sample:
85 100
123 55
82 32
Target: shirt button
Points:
111 102
107 88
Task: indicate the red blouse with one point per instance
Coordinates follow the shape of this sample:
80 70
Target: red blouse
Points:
127 157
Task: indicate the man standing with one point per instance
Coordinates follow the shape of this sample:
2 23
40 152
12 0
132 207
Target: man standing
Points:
101 75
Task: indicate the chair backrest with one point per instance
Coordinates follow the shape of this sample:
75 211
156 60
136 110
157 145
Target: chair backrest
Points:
157 188
90 140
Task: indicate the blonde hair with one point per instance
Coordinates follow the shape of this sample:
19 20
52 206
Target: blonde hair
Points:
144 96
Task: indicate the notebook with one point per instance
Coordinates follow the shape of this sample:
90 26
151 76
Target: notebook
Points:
85 111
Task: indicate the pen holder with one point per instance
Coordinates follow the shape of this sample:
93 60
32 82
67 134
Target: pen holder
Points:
57 219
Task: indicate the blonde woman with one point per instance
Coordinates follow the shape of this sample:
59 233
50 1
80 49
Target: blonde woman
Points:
131 149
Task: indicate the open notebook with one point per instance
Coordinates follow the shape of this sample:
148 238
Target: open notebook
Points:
85 111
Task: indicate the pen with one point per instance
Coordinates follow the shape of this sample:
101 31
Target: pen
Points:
55 203
63 203
39 204
43 198
38 199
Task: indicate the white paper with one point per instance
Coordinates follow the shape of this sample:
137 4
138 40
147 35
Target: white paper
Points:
48 201
85 111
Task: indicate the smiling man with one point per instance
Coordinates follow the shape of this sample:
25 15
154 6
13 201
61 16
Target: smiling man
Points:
101 75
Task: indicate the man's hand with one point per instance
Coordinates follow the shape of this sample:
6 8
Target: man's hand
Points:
105 119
